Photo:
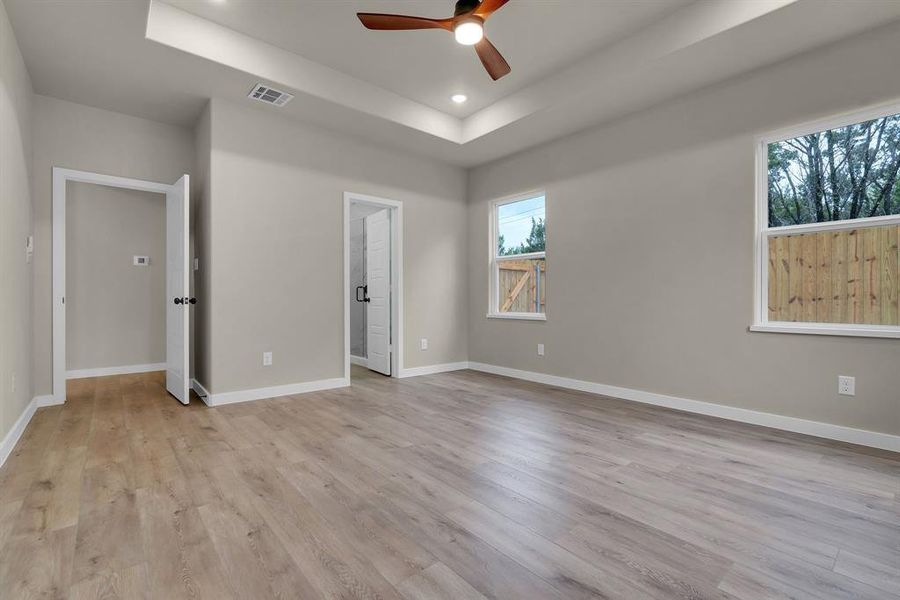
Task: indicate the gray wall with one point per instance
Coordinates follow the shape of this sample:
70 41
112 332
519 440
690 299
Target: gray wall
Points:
15 225
650 250
89 139
115 311
276 236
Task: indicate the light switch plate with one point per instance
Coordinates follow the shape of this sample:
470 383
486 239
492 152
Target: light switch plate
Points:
267 359
424 344
540 349
141 261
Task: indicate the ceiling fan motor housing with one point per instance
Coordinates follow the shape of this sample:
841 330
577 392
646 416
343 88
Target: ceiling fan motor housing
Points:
464 6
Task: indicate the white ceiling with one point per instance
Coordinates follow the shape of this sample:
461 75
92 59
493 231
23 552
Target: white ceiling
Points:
575 63
535 36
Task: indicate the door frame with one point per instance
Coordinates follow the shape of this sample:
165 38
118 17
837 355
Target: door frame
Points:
61 176
396 217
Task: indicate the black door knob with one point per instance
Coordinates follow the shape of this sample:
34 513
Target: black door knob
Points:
193 301
179 300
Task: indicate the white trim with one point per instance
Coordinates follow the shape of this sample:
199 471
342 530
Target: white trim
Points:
223 398
494 259
123 370
523 256
58 261
15 433
861 223
861 437
762 231
396 214
868 113
434 369
877 331
519 316
200 391
360 361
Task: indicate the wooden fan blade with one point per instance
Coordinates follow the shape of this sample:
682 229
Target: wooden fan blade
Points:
492 60
488 7
401 22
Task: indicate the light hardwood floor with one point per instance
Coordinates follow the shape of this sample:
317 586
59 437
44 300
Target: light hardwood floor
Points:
455 486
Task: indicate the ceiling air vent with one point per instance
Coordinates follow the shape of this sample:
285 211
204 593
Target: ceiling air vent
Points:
269 96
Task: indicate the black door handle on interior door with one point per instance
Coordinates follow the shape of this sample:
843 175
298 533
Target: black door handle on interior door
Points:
365 290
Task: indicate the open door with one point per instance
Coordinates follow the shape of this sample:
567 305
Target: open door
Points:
178 290
378 281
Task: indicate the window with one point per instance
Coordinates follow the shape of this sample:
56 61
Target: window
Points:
518 258
828 227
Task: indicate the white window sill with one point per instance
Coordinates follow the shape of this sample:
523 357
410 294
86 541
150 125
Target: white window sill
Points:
518 316
880 331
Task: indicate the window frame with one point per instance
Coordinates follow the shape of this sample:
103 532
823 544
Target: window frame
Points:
495 260
761 322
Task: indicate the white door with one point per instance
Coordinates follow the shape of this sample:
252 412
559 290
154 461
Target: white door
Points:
378 282
177 290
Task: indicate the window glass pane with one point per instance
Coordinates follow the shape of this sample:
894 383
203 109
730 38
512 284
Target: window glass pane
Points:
845 173
520 227
522 285
843 276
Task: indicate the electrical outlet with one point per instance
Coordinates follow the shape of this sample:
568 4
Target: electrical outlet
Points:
540 349
846 385
267 359
424 344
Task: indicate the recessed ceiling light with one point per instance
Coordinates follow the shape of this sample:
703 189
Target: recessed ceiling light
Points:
459 98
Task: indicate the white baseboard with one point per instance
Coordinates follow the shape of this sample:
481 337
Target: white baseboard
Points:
12 436
840 433
106 371
432 369
358 360
221 398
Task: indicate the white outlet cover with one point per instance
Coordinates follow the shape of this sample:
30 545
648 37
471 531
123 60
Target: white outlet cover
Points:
846 385
267 359
424 344
141 261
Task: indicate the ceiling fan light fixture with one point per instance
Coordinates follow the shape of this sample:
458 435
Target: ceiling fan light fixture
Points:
469 32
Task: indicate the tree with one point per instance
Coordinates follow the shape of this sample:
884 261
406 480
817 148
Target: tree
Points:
533 243
845 173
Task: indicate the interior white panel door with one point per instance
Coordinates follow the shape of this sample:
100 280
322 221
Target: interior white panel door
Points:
378 280
178 290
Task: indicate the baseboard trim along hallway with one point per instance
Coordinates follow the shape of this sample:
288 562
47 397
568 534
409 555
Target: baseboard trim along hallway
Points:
433 369
18 428
222 398
123 370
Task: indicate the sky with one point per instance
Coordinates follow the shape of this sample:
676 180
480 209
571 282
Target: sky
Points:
514 219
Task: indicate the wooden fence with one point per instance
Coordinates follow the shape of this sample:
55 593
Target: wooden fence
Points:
522 285
847 276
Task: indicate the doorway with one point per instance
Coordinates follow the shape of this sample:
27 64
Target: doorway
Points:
177 274
372 283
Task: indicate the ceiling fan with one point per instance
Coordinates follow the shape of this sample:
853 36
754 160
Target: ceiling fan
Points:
467 25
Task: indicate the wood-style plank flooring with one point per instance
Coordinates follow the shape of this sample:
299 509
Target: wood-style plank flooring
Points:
458 486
